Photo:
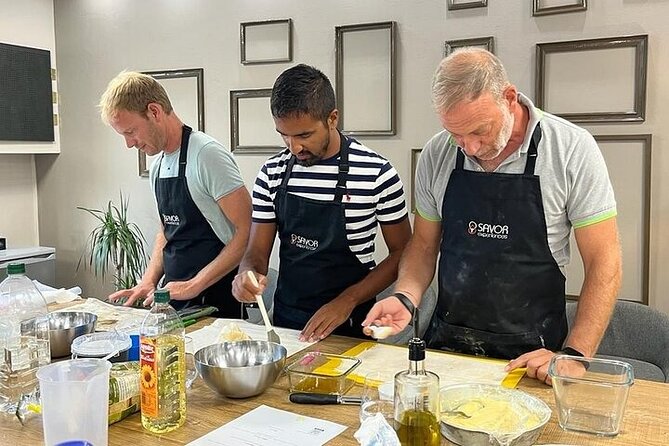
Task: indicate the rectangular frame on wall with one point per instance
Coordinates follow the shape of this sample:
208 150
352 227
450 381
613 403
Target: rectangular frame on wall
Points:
187 100
539 7
620 63
631 221
266 41
487 43
466 4
256 122
415 155
369 71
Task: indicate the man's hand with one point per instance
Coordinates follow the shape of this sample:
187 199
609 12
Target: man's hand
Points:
140 290
326 320
388 312
536 362
244 290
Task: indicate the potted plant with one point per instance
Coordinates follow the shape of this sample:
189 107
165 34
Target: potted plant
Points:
115 244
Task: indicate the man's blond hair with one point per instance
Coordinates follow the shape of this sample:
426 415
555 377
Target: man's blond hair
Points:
133 92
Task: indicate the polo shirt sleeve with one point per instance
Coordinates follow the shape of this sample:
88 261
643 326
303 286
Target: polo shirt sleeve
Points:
427 205
591 198
391 207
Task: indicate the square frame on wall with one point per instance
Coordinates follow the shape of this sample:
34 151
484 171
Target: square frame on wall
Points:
466 4
266 41
620 96
252 129
185 88
539 7
628 159
366 78
415 156
487 43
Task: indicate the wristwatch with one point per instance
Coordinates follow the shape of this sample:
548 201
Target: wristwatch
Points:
406 302
571 352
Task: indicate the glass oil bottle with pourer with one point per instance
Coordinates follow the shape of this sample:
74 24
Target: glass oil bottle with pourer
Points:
417 399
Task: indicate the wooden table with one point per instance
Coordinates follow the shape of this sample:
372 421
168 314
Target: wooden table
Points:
646 420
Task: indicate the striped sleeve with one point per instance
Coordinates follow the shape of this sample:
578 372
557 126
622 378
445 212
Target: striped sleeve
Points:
391 207
263 203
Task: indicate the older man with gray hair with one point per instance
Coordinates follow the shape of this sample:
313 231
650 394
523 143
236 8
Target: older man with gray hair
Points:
497 194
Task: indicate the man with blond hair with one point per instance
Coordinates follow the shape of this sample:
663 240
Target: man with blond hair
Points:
204 208
497 194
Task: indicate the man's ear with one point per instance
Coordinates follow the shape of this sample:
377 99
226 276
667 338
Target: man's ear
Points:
511 94
154 110
333 119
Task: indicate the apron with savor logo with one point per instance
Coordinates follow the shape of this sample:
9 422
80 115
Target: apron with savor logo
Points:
191 242
501 293
315 261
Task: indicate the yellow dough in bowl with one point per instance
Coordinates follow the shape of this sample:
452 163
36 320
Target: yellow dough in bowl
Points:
231 332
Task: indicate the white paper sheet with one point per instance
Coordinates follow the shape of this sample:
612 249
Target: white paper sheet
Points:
210 335
267 426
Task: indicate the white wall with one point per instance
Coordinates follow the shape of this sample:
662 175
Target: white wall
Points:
26 23
98 38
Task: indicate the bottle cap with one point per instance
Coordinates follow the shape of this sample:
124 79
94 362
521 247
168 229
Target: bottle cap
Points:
161 296
16 268
416 349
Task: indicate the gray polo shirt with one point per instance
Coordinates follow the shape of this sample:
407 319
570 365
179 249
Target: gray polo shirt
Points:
211 173
575 186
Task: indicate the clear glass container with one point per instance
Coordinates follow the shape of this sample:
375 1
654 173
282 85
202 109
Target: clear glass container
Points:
417 401
317 372
590 393
24 340
163 367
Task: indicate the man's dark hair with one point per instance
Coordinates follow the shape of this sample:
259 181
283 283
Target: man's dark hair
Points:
300 90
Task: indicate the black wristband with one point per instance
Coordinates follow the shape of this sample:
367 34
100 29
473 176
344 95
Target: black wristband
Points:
406 302
571 352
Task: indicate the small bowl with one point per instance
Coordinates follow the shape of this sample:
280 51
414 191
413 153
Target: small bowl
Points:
65 326
113 345
517 418
240 369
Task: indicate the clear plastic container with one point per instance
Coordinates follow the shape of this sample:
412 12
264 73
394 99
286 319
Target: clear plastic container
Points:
75 400
101 345
590 393
317 372
163 367
24 340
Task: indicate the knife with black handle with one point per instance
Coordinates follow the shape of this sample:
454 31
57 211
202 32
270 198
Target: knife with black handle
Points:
320 398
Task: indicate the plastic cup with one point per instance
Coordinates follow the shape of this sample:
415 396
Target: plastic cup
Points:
84 381
373 401
191 370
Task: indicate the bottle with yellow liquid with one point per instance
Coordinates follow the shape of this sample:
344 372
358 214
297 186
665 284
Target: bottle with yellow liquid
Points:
163 367
417 401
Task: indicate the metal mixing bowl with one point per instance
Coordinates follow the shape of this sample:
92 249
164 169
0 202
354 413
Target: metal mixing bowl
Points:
532 415
240 369
64 326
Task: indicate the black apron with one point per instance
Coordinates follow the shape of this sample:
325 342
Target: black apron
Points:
191 242
501 293
315 261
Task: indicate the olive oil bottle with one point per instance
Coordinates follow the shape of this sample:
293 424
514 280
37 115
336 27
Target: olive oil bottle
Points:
417 401
162 367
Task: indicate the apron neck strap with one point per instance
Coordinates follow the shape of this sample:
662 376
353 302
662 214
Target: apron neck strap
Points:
532 151
185 135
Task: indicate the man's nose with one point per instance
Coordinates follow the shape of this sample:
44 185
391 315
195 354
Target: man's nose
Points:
130 142
471 146
294 145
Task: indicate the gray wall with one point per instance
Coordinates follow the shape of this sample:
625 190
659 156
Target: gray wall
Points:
95 39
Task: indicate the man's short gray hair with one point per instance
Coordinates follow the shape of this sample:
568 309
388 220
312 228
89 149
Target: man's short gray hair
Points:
466 74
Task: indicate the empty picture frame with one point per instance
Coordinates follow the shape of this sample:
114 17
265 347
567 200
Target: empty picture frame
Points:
628 159
415 156
487 43
547 7
267 41
185 89
466 4
366 80
252 128
597 80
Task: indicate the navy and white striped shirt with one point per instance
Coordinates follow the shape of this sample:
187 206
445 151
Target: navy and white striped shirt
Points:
374 193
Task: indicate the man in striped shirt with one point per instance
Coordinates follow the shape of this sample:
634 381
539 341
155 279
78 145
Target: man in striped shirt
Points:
324 195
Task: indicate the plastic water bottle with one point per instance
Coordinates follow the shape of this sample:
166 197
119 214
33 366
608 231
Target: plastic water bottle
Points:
163 367
24 339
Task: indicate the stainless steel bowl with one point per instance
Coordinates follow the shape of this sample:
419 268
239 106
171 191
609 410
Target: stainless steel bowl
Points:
532 415
240 369
64 326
